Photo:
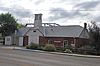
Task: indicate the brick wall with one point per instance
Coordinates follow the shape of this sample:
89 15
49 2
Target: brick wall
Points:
58 41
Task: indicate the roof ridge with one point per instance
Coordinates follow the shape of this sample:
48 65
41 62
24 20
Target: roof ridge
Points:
72 26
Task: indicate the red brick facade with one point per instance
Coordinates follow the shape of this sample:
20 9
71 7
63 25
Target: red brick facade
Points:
59 41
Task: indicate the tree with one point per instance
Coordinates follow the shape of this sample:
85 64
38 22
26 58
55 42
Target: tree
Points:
94 31
7 24
20 25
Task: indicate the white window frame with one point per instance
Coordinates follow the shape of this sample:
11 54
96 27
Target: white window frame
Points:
64 41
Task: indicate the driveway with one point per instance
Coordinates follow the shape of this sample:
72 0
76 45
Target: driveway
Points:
9 57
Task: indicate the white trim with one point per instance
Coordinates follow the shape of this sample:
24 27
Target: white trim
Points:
64 41
8 40
20 41
74 40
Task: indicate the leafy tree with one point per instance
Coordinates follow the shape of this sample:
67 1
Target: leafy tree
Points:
7 24
20 25
94 31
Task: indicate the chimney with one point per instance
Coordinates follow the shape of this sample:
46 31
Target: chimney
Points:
38 20
85 25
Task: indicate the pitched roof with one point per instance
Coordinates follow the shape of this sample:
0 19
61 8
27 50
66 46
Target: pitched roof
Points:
22 31
63 31
56 31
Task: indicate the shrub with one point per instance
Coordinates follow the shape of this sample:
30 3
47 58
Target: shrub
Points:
60 49
50 47
68 51
32 46
86 49
27 47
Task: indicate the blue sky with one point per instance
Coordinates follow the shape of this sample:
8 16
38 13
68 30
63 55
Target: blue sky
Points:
63 12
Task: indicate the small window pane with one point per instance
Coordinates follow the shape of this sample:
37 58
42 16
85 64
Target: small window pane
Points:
8 39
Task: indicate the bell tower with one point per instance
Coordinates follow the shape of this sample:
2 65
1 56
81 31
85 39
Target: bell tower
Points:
38 20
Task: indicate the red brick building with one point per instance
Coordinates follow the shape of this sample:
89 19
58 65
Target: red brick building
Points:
62 36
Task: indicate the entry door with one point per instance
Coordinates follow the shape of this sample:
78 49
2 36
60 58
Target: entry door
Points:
25 40
65 43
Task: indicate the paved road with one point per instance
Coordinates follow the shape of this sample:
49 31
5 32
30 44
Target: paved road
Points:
25 58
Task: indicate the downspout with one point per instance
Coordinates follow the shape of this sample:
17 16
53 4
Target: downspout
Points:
15 35
44 30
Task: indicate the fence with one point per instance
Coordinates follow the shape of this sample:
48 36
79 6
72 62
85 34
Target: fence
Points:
1 40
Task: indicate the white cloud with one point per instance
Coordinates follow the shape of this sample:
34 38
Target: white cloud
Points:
65 13
87 5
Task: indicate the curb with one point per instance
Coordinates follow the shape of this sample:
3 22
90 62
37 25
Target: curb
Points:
58 53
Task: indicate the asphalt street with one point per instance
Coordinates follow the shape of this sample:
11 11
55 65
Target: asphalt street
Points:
9 57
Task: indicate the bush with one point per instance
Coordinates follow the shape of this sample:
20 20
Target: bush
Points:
60 49
85 49
32 46
27 47
68 51
50 47
65 49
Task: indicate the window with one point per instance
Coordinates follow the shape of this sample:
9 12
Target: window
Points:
36 17
50 41
34 31
39 17
8 39
65 43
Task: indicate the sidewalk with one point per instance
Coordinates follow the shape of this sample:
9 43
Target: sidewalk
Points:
58 53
